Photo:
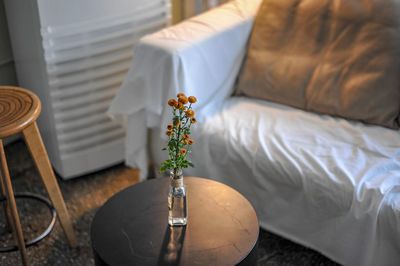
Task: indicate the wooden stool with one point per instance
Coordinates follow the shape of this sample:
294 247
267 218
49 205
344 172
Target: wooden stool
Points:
19 109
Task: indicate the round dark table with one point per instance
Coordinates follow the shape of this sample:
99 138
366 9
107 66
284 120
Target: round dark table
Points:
132 227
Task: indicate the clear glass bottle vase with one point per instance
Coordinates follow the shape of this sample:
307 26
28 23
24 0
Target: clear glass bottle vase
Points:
177 202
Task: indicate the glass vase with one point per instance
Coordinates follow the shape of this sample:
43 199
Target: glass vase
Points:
177 202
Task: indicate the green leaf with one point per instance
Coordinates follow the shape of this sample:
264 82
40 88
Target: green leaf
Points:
162 169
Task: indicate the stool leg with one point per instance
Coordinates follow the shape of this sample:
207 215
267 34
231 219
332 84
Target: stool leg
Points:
39 155
7 214
12 205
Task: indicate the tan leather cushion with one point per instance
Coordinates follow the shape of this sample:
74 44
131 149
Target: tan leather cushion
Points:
338 57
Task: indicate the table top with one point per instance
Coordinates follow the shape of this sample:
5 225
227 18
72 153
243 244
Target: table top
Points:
132 226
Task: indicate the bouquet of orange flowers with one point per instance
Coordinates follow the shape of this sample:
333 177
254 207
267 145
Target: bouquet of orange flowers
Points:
178 132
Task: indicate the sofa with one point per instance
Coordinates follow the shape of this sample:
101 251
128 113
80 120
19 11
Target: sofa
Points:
326 182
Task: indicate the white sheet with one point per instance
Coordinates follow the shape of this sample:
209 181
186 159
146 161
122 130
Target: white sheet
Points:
325 182
191 57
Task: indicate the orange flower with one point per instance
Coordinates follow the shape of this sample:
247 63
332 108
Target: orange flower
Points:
193 120
186 136
190 113
168 133
183 151
183 99
172 102
180 105
180 94
192 99
169 127
188 141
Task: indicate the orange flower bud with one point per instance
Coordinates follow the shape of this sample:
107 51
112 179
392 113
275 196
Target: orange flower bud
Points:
172 102
183 151
192 99
169 127
186 136
190 141
180 105
193 120
168 133
183 99
190 113
180 94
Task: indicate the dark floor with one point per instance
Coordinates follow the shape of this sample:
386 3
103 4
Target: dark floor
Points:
83 197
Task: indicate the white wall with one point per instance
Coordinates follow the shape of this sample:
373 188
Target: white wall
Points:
7 71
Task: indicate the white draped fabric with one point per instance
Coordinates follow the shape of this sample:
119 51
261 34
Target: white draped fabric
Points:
328 183
195 57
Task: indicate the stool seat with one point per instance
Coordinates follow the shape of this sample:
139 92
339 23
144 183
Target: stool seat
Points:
18 109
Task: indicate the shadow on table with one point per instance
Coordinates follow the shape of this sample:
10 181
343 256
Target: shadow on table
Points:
171 249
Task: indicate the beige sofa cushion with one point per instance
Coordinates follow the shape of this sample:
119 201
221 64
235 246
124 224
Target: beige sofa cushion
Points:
338 57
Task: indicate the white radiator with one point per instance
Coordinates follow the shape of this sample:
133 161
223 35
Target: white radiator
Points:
74 54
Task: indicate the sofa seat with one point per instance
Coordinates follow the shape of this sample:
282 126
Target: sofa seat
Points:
310 177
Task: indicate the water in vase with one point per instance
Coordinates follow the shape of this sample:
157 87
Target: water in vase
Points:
177 205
